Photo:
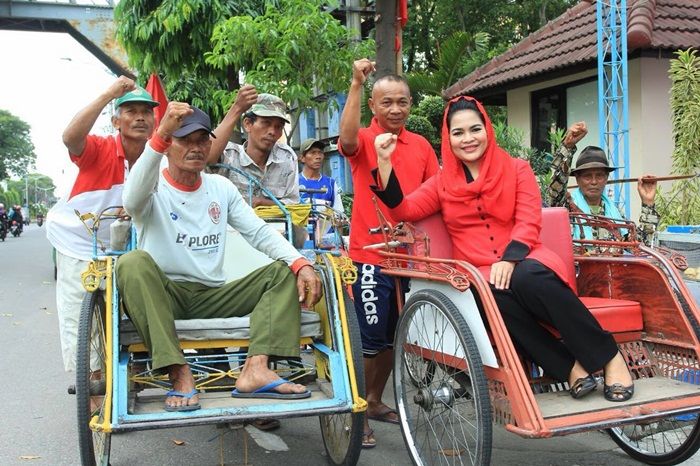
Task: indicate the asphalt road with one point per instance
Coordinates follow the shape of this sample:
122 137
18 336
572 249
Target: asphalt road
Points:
37 416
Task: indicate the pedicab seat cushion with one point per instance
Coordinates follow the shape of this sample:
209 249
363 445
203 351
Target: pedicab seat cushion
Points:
231 328
615 315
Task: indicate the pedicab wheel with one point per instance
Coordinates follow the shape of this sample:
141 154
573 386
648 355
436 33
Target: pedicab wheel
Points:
89 381
446 418
668 441
342 433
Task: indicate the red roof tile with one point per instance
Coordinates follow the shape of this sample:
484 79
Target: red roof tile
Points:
570 40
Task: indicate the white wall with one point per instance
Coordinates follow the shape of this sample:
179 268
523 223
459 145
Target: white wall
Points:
651 141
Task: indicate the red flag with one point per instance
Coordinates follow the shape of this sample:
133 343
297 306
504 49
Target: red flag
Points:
155 88
402 12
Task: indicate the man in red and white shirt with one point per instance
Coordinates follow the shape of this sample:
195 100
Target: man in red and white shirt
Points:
103 163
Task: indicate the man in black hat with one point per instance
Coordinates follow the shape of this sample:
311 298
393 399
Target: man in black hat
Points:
177 272
591 172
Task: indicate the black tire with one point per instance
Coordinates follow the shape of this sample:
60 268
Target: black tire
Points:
342 433
668 441
94 446
445 418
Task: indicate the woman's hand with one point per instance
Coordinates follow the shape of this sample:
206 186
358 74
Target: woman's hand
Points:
385 144
501 273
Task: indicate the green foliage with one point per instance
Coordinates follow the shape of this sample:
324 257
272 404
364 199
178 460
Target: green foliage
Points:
511 140
457 55
505 21
432 107
39 187
170 37
421 125
681 206
296 51
16 147
10 198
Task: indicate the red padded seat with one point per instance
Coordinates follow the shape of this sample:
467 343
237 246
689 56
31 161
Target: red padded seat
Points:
615 315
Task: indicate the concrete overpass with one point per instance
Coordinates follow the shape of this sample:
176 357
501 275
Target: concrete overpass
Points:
91 23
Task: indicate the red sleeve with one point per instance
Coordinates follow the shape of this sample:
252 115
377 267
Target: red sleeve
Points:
421 203
528 206
360 143
93 146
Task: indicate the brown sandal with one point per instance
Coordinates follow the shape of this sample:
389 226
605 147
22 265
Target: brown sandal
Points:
368 440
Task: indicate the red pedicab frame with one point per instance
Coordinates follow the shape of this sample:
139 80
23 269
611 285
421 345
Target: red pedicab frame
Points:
447 399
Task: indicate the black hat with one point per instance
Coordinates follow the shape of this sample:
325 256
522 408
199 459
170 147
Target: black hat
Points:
592 157
193 122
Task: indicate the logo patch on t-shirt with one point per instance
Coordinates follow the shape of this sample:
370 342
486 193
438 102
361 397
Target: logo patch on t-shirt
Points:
214 212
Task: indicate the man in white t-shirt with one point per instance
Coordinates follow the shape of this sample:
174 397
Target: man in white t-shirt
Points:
180 214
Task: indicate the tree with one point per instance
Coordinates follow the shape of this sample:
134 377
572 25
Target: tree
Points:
170 38
682 205
16 147
173 37
40 189
296 51
457 55
505 21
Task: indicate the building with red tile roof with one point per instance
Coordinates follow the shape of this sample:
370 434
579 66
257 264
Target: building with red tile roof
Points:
550 77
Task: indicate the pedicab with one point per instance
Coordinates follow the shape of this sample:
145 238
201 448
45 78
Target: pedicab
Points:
117 391
456 371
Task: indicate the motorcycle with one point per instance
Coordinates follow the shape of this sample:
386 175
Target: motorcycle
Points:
3 230
39 220
16 228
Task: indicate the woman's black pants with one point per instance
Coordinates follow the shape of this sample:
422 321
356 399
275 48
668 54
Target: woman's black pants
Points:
536 295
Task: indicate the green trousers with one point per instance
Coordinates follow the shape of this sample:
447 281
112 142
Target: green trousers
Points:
153 302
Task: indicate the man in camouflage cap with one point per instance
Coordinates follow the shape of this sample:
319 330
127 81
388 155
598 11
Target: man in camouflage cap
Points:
262 156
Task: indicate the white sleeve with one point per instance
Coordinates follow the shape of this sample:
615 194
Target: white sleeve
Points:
337 198
259 234
141 183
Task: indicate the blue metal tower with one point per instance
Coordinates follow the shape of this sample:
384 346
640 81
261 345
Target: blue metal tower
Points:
613 110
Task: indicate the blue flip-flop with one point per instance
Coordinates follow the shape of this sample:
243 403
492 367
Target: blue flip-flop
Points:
187 396
268 391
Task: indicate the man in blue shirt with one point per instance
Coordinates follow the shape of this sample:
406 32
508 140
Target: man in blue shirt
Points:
310 177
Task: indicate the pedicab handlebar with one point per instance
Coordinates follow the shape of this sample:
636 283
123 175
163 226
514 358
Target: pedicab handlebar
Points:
122 234
334 218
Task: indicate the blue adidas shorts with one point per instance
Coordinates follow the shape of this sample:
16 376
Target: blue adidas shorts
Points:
377 312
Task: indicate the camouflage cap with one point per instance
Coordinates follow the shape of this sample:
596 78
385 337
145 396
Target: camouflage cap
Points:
137 95
269 105
309 143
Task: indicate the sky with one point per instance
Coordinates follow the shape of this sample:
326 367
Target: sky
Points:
46 79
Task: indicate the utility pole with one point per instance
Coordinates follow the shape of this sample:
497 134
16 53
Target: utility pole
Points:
386 27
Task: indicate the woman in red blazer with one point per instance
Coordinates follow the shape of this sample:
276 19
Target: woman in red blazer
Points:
491 206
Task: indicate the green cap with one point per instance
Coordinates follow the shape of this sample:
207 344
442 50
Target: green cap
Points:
269 105
309 143
137 95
